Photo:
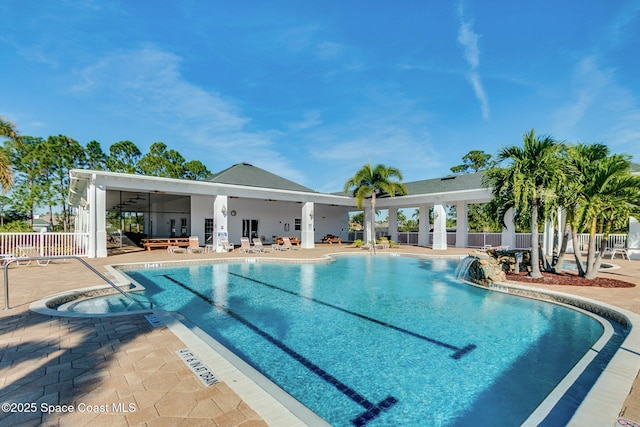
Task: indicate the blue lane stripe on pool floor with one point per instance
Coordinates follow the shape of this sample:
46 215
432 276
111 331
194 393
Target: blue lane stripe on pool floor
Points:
458 352
372 410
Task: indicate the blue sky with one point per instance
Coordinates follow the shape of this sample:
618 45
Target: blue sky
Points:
314 90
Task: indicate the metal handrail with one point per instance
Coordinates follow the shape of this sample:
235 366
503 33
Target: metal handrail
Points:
49 258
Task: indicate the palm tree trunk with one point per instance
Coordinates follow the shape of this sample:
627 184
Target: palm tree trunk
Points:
591 256
535 244
576 252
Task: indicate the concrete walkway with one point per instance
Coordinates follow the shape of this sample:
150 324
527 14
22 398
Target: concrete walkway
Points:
123 371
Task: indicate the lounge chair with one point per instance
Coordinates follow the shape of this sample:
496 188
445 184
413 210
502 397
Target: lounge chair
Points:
287 244
259 247
30 252
194 245
176 250
5 258
383 244
618 248
245 246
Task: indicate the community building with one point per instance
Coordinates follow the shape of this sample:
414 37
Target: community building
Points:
247 201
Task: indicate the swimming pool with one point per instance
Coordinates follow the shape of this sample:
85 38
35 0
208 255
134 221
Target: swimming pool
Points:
109 304
384 340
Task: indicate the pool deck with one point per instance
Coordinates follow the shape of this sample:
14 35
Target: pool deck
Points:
122 370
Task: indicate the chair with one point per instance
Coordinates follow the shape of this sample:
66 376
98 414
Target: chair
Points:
618 248
30 252
5 258
383 244
227 247
176 250
287 244
259 247
194 245
245 246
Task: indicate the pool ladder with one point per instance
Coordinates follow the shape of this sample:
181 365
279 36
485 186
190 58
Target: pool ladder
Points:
49 258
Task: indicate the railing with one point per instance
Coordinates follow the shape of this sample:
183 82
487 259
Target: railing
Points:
408 237
481 240
49 258
614 239
45 244
523 240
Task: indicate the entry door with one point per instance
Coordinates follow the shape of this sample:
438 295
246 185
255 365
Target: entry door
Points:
250 228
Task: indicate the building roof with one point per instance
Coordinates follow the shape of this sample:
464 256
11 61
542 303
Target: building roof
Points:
468 181
252 176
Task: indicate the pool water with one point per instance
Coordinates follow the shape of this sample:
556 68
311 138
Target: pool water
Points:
115 303
382 340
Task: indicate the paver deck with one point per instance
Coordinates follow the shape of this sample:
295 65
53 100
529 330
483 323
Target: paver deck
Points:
121 370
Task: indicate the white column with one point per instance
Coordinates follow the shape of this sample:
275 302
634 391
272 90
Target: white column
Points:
439 227
462 228
369 234
101 221
562 223
220 229
423 225
509 231
307 234
97 220
393 224
548 236
91 207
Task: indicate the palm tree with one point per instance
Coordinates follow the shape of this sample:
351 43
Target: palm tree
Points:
7 130
374 181
606 192
528 183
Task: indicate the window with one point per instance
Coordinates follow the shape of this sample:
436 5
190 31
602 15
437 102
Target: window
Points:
250 228
208 229
297 225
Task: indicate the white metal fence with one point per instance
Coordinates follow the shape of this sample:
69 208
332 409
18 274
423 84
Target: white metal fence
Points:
481 240
408 237
44 244
614 240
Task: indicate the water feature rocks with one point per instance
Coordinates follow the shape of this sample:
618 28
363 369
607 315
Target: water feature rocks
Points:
485 269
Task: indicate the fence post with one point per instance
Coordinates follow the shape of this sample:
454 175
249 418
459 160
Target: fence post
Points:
42 238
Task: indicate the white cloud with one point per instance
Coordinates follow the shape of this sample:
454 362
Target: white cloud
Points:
148 81
310 119
468 39
598 105
478 89
397 136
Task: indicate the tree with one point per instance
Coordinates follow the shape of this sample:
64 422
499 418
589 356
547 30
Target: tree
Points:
170 164
374 182
474 160
7 130
528 182
68 154
605 192
160 162
27 160
195 170
123 157
95 157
